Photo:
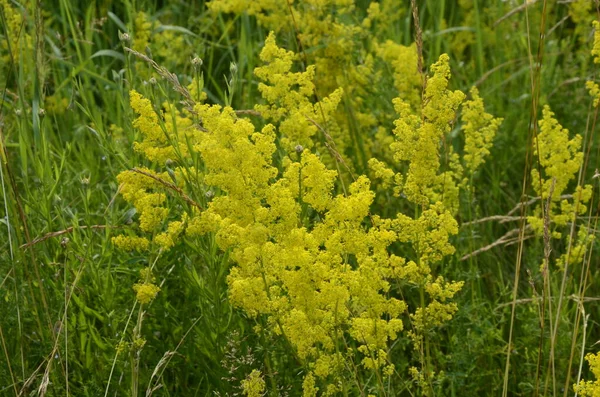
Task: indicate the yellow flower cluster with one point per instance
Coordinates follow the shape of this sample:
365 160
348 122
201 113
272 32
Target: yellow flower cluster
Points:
289 97
145 195
130 243
315 263
335 38
596 47
254 384
18 40
161 130
560 160
418 137
404 62
146 290
326 279
592 86
590 388
479 128
166 240
143 30
419 133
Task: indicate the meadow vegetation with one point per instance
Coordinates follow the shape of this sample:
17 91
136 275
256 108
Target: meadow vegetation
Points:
299 198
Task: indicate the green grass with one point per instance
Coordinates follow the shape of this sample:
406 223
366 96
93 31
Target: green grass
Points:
67 298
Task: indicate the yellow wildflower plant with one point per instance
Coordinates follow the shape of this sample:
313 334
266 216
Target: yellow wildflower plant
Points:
407 79
596 47
590 388
161 130
145 292
312 261
298 117
479 129
418 135
142 27
145 289
18 42
130 243
560 159
311 282
254 384
146 196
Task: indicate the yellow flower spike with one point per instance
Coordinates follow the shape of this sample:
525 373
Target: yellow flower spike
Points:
289 97
596 47
479 128
559 156
407 79
309 388
594 90
142 31
418 138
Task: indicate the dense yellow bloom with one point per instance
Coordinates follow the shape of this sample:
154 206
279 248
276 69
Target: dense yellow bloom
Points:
142 27
559 157
380 171
166 240
314 181
254 384
590 388
142 192
130 243
594 90
407 78
479 128
560 161
313 262
289 97
145 292
161 132
310 281
418 138
308 386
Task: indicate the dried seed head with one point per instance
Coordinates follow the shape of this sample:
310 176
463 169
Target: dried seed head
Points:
124 37
197 62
